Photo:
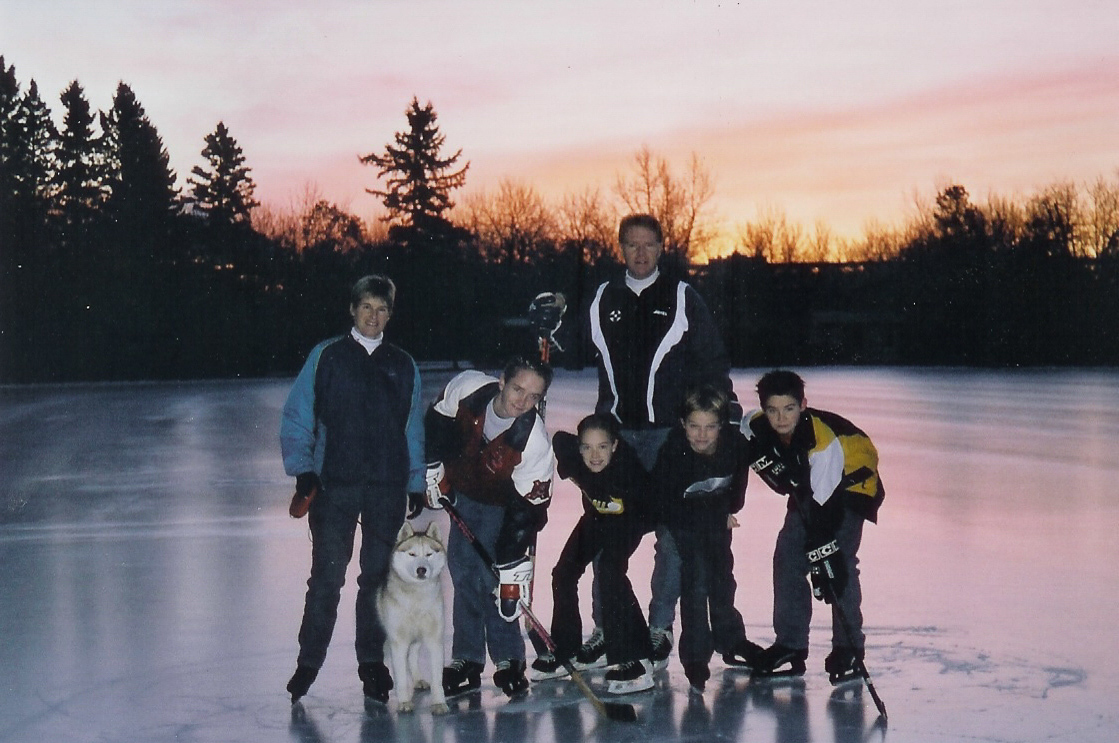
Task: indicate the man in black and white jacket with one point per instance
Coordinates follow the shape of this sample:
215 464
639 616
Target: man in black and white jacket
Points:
652 337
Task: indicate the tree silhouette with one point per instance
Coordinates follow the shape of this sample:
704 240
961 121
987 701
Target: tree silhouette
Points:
419 182
679 202
513 225
223 190
326 227
143 196
82 186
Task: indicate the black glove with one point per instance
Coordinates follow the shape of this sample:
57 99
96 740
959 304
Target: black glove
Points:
827 571
307 482
415 505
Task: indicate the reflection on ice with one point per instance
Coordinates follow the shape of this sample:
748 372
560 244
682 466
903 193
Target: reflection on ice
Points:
153 580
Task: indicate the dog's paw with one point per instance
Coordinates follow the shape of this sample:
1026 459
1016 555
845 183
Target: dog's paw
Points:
440 709
422 685
406 707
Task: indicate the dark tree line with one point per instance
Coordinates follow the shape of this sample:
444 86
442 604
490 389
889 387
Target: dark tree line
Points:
109 271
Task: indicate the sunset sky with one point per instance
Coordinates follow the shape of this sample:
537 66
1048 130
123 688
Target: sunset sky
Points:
837 111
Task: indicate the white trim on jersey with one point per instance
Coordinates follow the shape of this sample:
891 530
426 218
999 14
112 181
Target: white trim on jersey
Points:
462 385
599 340
674 335
538 462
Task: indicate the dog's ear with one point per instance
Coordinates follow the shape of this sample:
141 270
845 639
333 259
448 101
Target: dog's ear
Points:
405 532
433 532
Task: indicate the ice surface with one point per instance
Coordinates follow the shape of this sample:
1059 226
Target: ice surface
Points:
153 581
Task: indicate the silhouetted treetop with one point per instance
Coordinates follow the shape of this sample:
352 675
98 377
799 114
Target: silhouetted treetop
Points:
223 189
418 181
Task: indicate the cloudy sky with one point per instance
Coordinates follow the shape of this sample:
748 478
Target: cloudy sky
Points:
837 111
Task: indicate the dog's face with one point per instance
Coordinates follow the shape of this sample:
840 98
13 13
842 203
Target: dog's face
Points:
419 556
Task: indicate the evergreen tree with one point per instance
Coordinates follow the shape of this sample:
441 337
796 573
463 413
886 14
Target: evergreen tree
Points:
223 190
419 181
10 145
143 196
30 168
82 185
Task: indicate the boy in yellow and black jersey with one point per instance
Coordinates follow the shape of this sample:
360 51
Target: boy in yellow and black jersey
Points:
828 468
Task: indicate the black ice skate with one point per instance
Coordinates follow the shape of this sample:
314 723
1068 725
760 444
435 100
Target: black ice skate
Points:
461 676
842 664
510 678
630 677
592 654
779 661
662 646
697 675
375 681
743 655
546 667
301 682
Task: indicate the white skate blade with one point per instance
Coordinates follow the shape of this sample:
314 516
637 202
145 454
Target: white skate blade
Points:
600 662
633 686
535 675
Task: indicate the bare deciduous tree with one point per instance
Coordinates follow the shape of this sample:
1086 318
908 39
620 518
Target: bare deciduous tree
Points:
586 220
513 225
1102 219
680 202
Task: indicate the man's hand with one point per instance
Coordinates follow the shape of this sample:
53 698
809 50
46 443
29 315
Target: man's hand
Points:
437 486
827 571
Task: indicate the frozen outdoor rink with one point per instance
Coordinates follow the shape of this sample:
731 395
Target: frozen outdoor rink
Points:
153 581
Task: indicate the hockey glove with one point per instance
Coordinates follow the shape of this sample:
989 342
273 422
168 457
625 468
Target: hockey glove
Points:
827 571
437 486
546 313
307 486
514 587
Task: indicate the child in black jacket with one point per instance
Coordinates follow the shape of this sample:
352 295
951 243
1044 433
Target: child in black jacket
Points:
609 475
699 483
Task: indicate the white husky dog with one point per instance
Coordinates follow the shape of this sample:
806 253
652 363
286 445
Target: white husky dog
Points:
411 607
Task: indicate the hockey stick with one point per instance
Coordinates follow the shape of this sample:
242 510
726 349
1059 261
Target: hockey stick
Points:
860 666
544 343
609 710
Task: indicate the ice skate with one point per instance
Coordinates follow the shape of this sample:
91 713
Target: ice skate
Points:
301 682
842 665
546 667
461 676
510 678
662 647
697 675
592 654
375 681
779 661
630 677
743 656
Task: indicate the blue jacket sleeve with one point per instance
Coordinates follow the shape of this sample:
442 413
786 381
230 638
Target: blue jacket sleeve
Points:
301 436
414 432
